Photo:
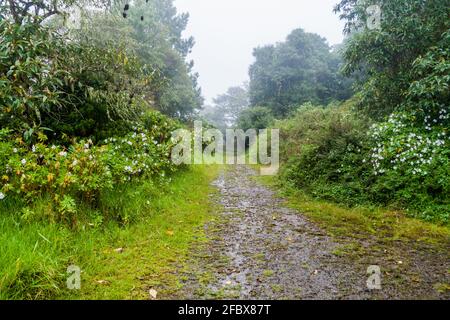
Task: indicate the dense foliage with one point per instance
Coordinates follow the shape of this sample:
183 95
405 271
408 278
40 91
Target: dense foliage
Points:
153 32
81 172
403 159
84 151
86 116
301 69
255 118
78 116
67 89
334 153
409 29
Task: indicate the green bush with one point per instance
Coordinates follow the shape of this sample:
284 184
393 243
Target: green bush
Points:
333 153
68 88
78 174
410 151
323 151
412 163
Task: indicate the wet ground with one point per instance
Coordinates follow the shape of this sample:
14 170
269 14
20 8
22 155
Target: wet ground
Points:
261 249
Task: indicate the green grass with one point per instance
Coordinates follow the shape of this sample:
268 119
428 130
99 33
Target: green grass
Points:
268 273
158 224
362 221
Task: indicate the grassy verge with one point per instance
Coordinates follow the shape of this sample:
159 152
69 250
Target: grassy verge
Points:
118 260
363 221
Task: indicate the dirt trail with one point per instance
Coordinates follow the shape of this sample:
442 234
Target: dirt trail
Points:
260 249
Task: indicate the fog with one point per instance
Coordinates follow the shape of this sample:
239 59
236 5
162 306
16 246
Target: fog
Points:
226 31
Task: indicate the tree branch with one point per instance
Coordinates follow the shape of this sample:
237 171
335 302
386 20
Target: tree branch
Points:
12 7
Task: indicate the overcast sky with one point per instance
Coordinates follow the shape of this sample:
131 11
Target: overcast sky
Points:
226 31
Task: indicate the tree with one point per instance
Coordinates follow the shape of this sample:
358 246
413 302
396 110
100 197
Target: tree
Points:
157 41
408 30
20 11
232 103
68 88
301 69
214 116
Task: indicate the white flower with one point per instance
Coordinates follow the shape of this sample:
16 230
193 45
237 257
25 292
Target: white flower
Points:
23 161
15 150
74 163
130 143
63 153
33 148
2 196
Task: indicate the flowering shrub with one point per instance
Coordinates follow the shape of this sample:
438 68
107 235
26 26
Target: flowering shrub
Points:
138 154
405 161
410 152
402 147
82 170
412 162
53 169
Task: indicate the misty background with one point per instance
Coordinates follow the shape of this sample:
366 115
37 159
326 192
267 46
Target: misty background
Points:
226 32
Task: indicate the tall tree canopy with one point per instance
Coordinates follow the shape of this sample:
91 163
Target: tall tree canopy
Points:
153 31
301 69
409 29
232 103
227 107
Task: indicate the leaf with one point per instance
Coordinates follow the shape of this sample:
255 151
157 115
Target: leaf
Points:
46 129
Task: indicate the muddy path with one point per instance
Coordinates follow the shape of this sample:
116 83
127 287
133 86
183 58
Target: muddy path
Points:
261 249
